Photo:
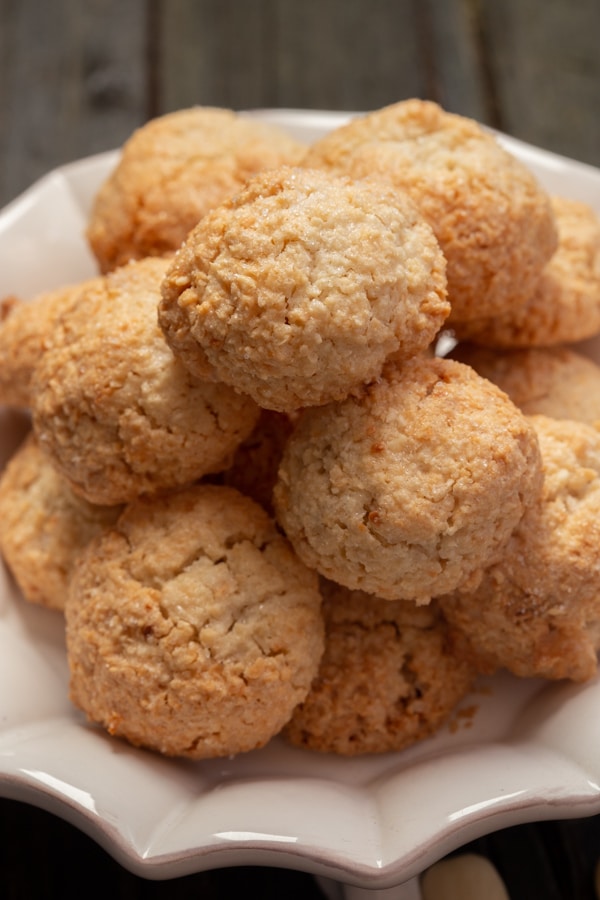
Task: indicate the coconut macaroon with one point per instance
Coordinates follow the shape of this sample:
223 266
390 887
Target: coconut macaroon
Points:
552 381
301 286
174 169
26 331
192 627
564 306
537 610
44 525
116 412
412 485
389 676
492 219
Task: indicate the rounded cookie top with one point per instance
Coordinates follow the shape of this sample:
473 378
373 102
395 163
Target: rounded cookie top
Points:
536 611
389 676
192 627
44 525
26 331
493 221
409 487
118 414
564 306
302 285
551 381
174 169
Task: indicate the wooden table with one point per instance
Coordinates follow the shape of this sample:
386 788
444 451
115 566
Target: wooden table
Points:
77 77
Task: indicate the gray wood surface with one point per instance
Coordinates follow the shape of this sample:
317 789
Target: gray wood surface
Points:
77 76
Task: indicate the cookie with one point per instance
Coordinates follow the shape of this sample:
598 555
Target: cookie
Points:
26 331
564 307
192 627
116 412
44 525
537 610
492 219
551 381
411 486
389 677
171 171
301 286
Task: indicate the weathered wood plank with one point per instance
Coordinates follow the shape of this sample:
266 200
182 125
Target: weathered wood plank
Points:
318 53
212 52
72 82
545 61
459 73
359 55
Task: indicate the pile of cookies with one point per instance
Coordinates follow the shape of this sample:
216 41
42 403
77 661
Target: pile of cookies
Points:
262 499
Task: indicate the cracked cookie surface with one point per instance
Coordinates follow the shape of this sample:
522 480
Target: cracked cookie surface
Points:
192 627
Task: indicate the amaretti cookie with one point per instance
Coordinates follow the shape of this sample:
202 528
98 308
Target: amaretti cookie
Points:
492 219
389 677
564 305
301 286
537 609
192 627
44 525
412 485
174 169
551 381
117 413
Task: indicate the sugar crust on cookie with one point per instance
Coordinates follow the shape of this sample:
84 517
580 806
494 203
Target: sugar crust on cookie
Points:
492 219
302 285
171 171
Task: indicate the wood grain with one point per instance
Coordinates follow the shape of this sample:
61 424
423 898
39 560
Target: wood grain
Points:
77 78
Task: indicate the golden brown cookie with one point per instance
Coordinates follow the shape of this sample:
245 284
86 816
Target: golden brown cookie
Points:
537 610
551 381
44 525
412 485
26 330
564 306
389 676
174 169
192 627
301 286
117 413
493 221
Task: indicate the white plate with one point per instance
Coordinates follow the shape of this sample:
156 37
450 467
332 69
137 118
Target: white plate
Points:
515 751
